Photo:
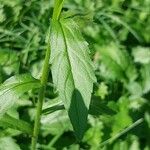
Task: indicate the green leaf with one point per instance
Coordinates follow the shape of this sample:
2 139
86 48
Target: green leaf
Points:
57 9
135 143
102 90
135 89
53 109
147 118
72 71
52 106
11 122
54 121
9 61
122 119
13 88
118 62
82 18
123 23
141 54
145 72
94 135
121 145
8 143
99 107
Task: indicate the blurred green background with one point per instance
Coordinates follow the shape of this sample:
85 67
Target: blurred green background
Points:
118 33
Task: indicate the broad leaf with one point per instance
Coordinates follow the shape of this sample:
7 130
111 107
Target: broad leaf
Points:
13 88
72 71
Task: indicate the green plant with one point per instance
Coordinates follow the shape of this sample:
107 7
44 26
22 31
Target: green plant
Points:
72 72
117 33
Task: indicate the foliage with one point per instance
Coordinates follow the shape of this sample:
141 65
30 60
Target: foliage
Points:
75 84
119 43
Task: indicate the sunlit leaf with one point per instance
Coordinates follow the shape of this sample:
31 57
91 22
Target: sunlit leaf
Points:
93 136
122 119
13 88
7 143
102 90
72 71
141 55
54 121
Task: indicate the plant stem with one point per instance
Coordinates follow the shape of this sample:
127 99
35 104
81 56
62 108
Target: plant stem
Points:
57 9
111 140
45 73
44 78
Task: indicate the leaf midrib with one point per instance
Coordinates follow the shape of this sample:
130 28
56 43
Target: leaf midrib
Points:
17 86
83 54
67 54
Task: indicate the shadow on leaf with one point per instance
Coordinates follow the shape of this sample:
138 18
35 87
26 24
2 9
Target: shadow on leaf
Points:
78 113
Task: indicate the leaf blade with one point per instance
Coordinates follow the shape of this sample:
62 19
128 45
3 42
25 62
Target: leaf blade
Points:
13 88
72 71
11 122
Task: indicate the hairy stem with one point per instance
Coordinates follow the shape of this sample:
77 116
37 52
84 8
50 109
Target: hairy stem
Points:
45 73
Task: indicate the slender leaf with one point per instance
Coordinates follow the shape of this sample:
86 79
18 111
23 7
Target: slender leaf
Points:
13 88
11 122
126 25
72 71
53 109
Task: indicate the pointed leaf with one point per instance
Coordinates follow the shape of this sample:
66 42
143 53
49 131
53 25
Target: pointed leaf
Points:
13 88
72 71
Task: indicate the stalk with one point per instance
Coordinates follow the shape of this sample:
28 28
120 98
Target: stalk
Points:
46 67
44 78
57 9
